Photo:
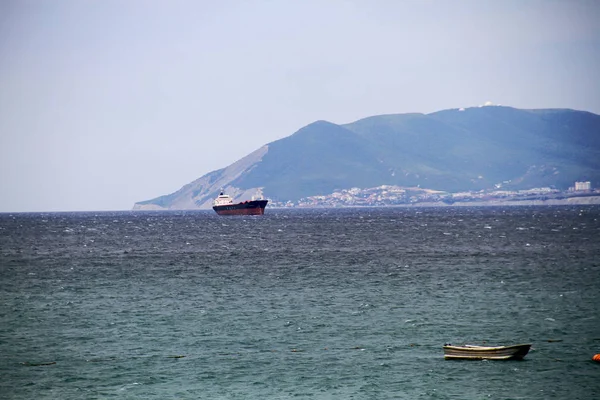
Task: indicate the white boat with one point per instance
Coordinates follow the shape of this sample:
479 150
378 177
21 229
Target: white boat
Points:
472 352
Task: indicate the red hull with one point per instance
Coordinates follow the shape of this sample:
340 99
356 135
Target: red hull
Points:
254 207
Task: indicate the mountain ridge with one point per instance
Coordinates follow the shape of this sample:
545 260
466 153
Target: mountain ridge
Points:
450 150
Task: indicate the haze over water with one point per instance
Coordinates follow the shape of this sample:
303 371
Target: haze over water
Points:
303 304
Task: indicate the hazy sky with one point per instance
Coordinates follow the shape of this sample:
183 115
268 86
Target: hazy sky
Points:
105 103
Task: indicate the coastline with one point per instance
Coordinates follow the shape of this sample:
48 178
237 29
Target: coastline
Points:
590 200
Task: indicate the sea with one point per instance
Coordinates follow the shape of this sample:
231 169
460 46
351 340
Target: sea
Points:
349 303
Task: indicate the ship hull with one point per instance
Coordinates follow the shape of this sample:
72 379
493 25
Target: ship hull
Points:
254 207
516 352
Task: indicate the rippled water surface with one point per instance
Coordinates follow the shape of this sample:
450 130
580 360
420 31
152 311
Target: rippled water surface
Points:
303 304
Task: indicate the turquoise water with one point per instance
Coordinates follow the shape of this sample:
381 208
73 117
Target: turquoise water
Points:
302 304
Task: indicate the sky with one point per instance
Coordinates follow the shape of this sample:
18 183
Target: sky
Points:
106 103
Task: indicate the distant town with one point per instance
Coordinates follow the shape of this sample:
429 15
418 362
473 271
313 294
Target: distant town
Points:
386 195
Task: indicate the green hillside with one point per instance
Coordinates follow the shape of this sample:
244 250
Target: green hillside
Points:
450 150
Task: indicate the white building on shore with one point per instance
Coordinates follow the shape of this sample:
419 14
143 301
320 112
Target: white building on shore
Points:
583 186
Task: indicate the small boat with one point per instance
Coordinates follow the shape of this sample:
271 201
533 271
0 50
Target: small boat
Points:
223 205
472 352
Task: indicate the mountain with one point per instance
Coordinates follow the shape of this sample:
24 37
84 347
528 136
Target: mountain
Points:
451 150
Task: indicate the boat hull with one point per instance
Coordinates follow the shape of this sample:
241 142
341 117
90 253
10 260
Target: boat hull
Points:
254 207
515 352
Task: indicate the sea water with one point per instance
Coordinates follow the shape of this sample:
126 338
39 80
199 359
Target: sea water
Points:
299 304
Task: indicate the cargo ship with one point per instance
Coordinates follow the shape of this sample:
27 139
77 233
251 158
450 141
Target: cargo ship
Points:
223 205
